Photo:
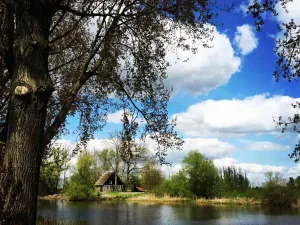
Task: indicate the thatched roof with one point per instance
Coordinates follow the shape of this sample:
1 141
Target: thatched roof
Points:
105 176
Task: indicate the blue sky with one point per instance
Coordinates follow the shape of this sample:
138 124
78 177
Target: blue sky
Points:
225 98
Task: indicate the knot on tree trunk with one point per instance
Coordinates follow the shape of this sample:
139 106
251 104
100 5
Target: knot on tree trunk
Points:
22 90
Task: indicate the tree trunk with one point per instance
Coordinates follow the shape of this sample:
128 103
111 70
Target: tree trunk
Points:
28 105
116 170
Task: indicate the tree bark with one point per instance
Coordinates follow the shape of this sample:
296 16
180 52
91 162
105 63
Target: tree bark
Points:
19 174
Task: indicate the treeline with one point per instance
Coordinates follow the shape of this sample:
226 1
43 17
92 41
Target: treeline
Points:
198 177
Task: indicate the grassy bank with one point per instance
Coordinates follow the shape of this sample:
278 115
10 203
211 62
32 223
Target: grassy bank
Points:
201 201
153 198
228 201
120 195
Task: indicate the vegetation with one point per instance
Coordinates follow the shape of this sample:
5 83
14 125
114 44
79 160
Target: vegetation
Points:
278 192
198 179
151 176
52 66
51 170
81 185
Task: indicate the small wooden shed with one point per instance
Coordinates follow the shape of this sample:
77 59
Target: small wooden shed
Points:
107 182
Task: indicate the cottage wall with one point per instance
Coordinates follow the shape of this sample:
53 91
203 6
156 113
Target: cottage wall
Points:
106 183
107 188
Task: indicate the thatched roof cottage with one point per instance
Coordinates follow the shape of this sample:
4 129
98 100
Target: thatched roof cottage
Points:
107 182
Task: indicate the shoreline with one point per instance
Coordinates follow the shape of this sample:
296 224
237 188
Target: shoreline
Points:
151 198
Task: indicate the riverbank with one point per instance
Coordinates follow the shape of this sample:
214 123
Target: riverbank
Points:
145 197
151 198
201 201
102 196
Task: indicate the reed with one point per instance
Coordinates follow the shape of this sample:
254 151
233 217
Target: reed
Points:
228 201
153 198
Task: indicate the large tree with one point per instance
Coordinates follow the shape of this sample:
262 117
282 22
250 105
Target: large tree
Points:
61 58
288 51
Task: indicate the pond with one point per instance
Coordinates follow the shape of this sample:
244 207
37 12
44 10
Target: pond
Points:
126 213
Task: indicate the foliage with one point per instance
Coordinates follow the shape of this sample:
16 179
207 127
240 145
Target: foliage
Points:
288 51
277 192
151 176
105 160
176 186
134 180
233 179
51 169
81 186
61 58
202 174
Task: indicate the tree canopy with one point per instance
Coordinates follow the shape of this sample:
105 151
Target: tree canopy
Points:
86 58
287 49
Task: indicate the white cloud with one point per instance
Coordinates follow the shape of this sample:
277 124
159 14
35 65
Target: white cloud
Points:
294 171
235 117
266 146
210 147
117 117
293 9
206 70
245 5
245 39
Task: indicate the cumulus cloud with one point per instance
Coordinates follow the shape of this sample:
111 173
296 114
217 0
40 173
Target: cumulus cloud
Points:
245 5
291 12
117 117
204 71
210 147
234 117
266 146
245 39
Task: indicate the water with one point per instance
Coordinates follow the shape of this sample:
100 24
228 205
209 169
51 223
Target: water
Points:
124 213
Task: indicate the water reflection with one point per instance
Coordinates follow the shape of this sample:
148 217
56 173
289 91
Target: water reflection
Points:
121 213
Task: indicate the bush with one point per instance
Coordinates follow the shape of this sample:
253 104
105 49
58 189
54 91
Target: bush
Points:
81 186
276 192
79 192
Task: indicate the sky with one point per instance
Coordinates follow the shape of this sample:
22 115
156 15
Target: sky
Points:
225 99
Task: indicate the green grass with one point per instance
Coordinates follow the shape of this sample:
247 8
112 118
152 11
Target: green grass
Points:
119 195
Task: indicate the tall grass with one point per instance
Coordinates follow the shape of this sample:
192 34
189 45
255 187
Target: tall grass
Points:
153 198
228 201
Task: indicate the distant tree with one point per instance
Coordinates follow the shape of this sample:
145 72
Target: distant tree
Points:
51 170
278 192
151 175
234 180
105 160
288 51
178 185
202 174
132 159
82 181
131 154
